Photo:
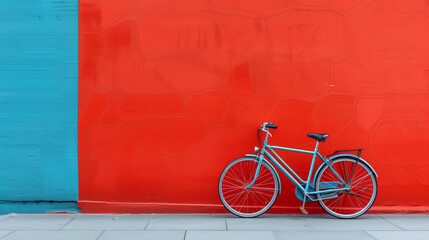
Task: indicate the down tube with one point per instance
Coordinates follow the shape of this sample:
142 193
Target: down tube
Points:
284 164
288 175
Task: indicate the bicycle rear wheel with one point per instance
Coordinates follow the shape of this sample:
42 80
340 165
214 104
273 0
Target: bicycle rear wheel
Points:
233 191
351 203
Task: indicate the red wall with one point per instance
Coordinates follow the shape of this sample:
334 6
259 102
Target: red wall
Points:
170 91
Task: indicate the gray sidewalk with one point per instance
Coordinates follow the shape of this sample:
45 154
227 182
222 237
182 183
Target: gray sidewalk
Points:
205 227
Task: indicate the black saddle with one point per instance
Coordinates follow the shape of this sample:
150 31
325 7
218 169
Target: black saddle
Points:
318 137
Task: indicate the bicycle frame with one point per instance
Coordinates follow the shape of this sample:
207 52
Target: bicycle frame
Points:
279 163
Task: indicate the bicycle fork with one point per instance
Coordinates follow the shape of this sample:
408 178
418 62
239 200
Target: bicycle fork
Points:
260 159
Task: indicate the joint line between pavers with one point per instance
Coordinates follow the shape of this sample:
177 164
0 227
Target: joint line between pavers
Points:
391 222
148 221
369 235
274 235
67 223
5 216
7 234
99 236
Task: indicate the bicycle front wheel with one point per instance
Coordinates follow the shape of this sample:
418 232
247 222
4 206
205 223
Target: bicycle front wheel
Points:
350 203
233 191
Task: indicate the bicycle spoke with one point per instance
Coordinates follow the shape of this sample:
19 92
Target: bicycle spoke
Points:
236 198
343 174
248 202
262 193
242 201
262 188
352 171
355 201
232 172
233 197
265 181
235 185
363 178
241 171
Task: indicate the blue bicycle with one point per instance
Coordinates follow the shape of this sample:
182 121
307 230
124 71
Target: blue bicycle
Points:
345 185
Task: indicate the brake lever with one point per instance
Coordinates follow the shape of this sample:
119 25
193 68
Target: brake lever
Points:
265 130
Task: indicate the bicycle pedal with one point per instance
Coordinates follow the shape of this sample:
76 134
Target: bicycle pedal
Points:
303 210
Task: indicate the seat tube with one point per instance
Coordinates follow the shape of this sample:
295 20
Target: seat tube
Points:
311 167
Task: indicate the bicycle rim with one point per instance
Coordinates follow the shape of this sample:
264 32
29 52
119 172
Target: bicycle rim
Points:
245 202
354 202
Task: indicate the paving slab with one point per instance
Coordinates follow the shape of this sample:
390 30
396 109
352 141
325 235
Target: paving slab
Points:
409 222
35 221
399 235
365 222
53 235
322 235
230 235
4 216
143 235
267 222
187 222
4 233
109 222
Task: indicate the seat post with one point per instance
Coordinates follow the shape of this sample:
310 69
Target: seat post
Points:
317 146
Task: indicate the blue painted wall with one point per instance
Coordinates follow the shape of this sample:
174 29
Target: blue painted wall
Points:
38 105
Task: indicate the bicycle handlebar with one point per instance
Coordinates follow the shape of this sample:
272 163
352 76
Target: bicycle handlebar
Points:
264 128
268 125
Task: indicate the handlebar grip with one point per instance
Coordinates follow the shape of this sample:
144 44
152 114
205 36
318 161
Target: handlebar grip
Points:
271 125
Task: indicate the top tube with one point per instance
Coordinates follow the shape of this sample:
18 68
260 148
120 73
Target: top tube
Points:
265 128
290 149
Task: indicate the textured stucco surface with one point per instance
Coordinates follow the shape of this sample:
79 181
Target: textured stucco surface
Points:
171 91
